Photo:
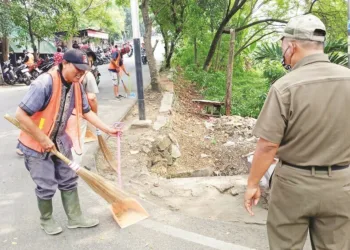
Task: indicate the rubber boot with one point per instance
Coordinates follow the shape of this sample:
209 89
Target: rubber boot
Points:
47 223
70 200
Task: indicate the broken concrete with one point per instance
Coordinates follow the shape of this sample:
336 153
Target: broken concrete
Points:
160 122
166 104
141 124
175 151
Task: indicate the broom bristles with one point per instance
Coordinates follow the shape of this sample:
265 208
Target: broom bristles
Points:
102 187
112 162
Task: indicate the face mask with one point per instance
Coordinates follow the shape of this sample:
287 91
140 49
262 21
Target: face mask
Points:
286 66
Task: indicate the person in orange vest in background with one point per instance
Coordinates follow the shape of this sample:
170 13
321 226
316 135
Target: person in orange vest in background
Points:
115 67
28 58
115 49
43 113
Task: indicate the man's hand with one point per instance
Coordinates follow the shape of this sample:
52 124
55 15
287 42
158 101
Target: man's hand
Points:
113 131
127 73
47 144
251 197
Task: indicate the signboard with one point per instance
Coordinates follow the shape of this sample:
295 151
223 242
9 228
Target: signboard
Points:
97 34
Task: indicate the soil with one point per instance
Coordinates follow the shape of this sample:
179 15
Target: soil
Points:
211 151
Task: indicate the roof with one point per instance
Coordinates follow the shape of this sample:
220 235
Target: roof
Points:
44 48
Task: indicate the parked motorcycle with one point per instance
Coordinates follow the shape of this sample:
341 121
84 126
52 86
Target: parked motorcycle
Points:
46 65
9 74
96 73
35 71
131 52
22 73
143 56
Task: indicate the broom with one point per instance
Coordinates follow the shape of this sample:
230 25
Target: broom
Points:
110 159
126 211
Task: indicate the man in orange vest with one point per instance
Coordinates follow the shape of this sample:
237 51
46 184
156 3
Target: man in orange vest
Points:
115 66
28 58
43 113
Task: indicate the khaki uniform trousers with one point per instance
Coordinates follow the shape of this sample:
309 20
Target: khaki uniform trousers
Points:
302 200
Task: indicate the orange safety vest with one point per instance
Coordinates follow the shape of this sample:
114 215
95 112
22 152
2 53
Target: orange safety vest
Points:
30 61
45 119
114 64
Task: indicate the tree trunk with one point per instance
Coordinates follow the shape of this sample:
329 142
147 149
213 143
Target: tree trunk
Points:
216 66
213 45
31 35
170 55
148 45
155 46
228 97
166 45
195 51
5 48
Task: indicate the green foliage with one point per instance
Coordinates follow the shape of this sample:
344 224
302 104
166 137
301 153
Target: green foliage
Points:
6 23
248 91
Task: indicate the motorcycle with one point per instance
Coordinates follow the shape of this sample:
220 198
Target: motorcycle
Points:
22 73
143 56
96 73
46 65
35 71
8 73
131 52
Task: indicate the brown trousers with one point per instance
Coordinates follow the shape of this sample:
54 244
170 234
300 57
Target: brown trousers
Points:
302 201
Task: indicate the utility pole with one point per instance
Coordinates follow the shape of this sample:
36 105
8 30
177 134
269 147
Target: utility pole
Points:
137 49
348 33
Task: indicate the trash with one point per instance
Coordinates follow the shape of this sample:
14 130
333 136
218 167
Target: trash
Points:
265 180
132 95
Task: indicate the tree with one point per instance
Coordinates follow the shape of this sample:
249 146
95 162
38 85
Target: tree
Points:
38 18
5 27
336 50
233 9
148 44
171 17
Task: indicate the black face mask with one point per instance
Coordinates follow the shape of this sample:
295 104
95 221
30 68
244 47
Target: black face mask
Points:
286 66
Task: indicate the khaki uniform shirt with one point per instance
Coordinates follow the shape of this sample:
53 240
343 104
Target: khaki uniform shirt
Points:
307 113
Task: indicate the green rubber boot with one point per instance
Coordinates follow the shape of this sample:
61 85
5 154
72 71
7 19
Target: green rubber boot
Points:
47 223
70 200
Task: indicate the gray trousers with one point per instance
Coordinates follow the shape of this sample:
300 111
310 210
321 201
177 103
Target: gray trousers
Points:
49 174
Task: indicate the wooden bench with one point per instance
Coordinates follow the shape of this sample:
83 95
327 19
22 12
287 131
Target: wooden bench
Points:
211 108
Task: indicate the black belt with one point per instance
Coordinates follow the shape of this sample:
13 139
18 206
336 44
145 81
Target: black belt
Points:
317 168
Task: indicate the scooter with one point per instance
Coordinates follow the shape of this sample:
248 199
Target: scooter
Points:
22 73
35 71
8 73
96 73
47 65
143 56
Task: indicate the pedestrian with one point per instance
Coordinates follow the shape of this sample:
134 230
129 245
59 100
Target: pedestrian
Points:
115 67
75 45
91 89
58 56
305 121
44 112
115 49
28 58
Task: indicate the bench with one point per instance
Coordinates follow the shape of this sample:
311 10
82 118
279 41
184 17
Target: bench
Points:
211 108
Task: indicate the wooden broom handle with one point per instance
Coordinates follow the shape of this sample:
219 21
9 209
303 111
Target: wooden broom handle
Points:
15 122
